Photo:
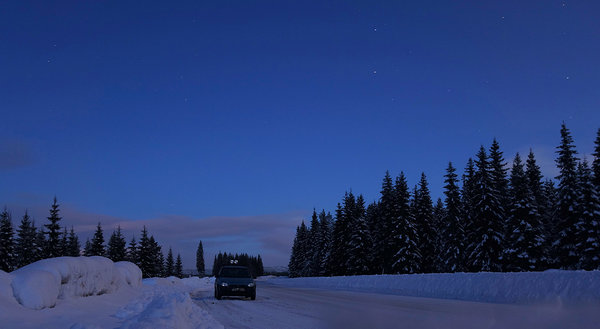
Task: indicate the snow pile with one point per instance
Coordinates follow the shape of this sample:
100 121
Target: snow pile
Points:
525 287
167 304
39 285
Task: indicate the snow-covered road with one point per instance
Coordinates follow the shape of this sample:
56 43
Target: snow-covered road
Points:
283 307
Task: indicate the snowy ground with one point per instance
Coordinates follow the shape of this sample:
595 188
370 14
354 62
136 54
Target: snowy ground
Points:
281 306
90 293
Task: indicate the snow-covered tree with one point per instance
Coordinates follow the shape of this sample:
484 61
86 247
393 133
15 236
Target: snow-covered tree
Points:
566 218
384 243
97 243
596 163
407 258
452 228
25 242
423 218
116 249
486 243
587 239
178 267
132 252
170 264
524 239
74 247
53 248
359 245
7 243
326 228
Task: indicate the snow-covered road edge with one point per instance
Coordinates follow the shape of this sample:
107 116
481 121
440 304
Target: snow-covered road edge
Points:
552 286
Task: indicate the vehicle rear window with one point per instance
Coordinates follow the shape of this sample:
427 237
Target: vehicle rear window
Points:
235 272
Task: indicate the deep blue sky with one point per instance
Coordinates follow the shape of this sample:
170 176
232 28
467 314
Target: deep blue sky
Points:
144 110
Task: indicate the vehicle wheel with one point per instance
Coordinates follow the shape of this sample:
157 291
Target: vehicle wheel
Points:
217 294
253 296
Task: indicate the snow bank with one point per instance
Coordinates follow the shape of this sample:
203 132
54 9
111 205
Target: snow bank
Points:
40 284
167 304
527 287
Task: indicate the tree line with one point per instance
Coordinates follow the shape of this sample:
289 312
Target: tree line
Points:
31 244
489 220
254 263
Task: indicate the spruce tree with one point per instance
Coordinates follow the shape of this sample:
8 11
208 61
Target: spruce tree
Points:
156 258
439 215
384 244
145 254
303 256
423 217
407 257
116 249
74 247
325 224
360 242
549 204
452 228
178 267
87 249
566 210
7 243
587 239
199 259
132 252
40 244
170 264
337 259
315 243
97 244
64 242
524 237
53 248
294 257
372 218
596 163
486 247
468 213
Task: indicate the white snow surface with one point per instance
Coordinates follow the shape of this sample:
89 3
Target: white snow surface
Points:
39 285
94 292
553 286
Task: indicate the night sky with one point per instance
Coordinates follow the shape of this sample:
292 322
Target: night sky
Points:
228 121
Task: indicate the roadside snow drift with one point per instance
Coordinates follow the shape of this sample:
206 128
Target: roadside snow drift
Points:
525 287
39 285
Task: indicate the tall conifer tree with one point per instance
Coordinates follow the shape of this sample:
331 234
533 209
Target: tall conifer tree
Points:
53 248
170 264
179 267
587 239
74 247
596 163
524 229
487 242
97 243
25 242
200 259
423 216
566 212
7 243
117 247
360 242
407 258
452 228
